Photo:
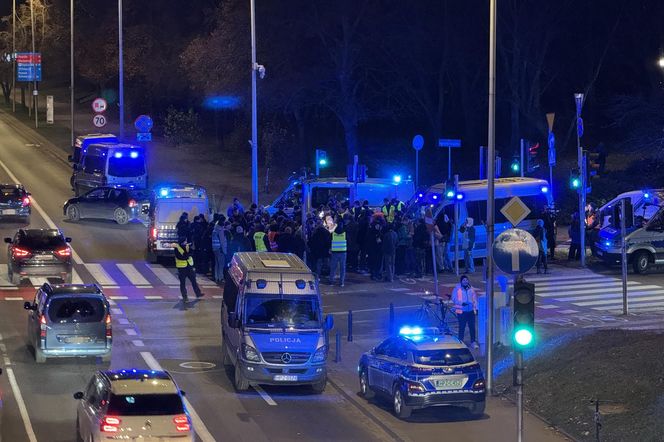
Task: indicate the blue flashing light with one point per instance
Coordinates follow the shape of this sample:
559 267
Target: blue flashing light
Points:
450 194
646 195
607 243
118 155
133 154
261 284
396 179
420 195
459 196
407 330
300 284
435 197
545 189
163 192
222 102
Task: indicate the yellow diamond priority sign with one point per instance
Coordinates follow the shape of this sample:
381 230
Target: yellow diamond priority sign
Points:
515 211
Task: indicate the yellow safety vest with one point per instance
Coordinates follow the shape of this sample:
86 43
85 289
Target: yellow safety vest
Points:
338 242
259 241
389 215
182 263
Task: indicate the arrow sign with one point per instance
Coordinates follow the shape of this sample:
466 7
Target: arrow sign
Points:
515 251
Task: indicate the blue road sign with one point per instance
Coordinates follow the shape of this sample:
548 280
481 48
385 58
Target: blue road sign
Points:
444 142
26 72
418 142
143 136
552 149
515 251
143 123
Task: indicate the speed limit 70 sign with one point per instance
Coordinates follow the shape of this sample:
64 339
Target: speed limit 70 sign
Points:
99 120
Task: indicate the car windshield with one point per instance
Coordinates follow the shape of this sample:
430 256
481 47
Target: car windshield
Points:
145 405
10 194
288 311
76 310
456 356
42 240
126 166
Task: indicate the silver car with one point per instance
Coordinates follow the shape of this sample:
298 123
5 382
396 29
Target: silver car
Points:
69 320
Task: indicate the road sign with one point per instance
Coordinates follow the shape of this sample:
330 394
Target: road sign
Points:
143 136
515 211
549 120
99 105
143 123
418 142
99 120
552 149
515 251
444 142
28 66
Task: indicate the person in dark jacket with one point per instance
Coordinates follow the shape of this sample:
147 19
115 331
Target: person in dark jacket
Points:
183 227
352 240
421 245
319 244
374 246
389 249
362 231
239 242
575 237
201 249
286 241
540 236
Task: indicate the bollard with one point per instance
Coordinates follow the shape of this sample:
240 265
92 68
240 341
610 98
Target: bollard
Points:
391 325
350 326
337 353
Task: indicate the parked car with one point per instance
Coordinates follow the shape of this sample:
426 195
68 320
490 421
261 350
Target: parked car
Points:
132 405
119 205
14 202
38 252
69 320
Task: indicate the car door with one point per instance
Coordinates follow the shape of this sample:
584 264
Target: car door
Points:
394 363
89 408
33 319
114 198
378 364
90 203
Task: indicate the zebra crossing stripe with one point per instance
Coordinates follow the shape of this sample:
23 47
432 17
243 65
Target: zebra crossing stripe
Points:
37 281
547 306
564 294
164 275
133 275
12 298
642 290
617 299
75 277
560 278
100 275
588 281
154 297
399 289
632 306
599 285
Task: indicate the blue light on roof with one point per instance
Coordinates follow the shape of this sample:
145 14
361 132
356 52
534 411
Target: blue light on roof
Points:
646 195
261 284
544 189
420 195
459 196
607 243
435 197
163 192
222 102
407 330
118 155
134 154
396 179
450 193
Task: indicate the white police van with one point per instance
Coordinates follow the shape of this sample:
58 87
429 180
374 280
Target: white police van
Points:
272 325
645 203
471 201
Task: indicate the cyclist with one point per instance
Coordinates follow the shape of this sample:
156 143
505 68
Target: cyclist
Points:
465 307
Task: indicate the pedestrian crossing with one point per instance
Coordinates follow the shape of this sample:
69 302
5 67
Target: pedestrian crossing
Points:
594 291
112 275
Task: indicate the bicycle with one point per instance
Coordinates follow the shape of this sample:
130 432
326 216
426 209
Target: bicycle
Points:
434 312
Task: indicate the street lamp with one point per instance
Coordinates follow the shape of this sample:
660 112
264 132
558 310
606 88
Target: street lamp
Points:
660 62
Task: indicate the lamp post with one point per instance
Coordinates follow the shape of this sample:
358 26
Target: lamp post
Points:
14 55
34 66
120 72
71 70
254 110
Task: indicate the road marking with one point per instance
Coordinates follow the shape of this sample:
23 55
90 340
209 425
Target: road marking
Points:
42 213
634 291
400 289
567 312
217 296
138 343
75 277
119 298
123 321
23 410
133 275
616 298
154 297
199 426
547 306
164 275
130 331
13 298
111 302
564 295
117 311
266 397
100 275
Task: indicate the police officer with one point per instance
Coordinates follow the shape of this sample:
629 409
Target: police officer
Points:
465 307
388 210
338 252
184 262
260 239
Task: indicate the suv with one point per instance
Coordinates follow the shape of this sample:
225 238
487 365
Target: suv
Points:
69 320
119 205
38 252
132 405
423 368
14 202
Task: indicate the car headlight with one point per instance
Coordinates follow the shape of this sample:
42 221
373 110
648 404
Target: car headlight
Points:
320 355
250 353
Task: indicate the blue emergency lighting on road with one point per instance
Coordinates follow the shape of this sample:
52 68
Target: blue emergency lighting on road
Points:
607 243
545 189
396 179
420 195
118 155
435 197
222 102
163 192
134 154
407 330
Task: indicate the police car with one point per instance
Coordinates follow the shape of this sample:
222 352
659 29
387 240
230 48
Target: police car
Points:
420 368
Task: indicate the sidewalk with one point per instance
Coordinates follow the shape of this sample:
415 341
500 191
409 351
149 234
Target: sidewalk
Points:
498 424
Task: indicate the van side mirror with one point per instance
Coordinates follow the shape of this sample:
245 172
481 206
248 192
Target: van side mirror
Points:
78 395
8 240
233 320
329 322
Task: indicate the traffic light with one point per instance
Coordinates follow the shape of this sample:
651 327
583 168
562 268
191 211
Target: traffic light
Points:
593 167
575 179
515 167
523 332
321 158
532 162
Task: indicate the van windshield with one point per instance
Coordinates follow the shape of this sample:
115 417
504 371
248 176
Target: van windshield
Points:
126 166
268 311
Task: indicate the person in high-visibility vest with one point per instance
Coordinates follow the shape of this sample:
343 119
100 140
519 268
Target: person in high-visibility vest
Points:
338 253
388 210
260 239
399 206
184 262
464 298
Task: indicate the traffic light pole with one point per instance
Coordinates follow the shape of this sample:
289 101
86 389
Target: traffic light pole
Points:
521 144
456 226
623 253
582 193
518 383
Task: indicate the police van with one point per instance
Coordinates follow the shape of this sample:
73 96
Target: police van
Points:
645 203
167 203
471 200
83 141
315 192
112 165
273 331
644 233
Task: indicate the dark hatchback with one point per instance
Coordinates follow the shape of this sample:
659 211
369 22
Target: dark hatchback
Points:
38 252
14 202
109 203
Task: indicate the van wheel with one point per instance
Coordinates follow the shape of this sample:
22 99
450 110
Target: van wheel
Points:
73 214
641 262
225 359
401 410
241 383
319 387
365 389
120 216
39 355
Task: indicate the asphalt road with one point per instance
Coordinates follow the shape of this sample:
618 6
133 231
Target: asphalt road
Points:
152 330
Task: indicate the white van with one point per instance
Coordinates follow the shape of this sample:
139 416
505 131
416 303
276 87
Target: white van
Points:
472 202
645 203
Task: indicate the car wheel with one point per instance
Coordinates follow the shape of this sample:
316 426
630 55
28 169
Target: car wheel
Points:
401 410
225 359
40 358
319 387
120 216
240 382
641 262
73 214
477 409
365 389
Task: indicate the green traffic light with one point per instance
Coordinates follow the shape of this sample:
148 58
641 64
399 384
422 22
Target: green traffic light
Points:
523 337
322 162
515 167
576 183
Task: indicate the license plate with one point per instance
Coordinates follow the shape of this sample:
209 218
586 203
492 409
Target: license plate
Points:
285 377
45 257
9 212
77 340
599 252
448 384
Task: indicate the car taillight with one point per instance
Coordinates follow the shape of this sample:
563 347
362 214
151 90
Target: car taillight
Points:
110 424
109 329
415 387
153 233
26 201
63 253
42 326
133 203
181 422
479 384
18 252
